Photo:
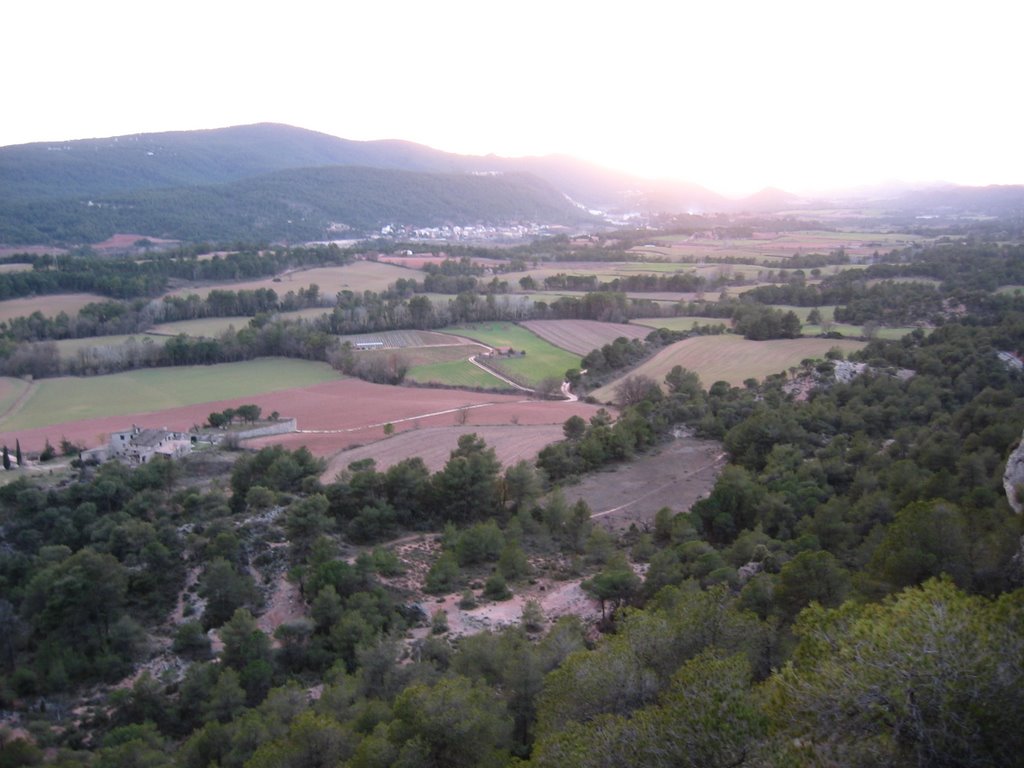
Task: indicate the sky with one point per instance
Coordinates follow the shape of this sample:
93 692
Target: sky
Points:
729 94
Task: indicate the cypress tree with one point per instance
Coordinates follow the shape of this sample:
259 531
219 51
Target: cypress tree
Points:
7 459
17 451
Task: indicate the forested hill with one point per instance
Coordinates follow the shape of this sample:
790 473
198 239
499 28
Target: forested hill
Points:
100 169
120 164
293 205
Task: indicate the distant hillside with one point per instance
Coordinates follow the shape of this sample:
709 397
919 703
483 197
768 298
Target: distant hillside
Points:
994 200
293 205
97 168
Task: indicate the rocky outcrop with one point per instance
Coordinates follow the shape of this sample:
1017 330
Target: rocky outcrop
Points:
1013 478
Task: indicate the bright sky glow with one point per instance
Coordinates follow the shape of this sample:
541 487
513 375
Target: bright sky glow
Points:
733 95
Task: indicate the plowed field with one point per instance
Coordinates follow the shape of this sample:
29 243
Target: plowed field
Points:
583 336
336 414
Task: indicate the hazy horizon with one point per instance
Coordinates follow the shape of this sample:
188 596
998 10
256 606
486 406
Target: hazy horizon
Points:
796 95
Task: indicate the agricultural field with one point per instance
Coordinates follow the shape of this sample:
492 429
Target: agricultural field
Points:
50 305
403 339
151 390
454 373
420 260
682 323
310 313
358 277
434 445
731 358
209 327
10 391
582 336
14 267
675 475
69 349
775 246
332 415
541 361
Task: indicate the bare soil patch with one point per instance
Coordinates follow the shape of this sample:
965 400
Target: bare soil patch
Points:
675 476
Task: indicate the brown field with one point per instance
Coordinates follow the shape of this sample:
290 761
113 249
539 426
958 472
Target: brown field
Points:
15 267
583 336
343 413
675 476
511 443
50 305
731 358
359 276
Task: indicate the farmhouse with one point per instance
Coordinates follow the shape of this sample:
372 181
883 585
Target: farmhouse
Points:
138 446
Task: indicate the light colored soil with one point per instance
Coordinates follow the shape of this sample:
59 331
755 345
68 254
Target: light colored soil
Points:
675 476
583 336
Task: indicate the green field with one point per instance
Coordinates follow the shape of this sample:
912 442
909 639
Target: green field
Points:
681 323
10 391
455 373
155 389
732 358
542 360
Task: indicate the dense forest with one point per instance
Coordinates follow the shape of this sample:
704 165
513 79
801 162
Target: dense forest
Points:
849 593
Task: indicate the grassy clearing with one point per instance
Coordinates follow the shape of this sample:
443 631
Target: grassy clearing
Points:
732 358
69 348
542 360
50 306
454 373
156 389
